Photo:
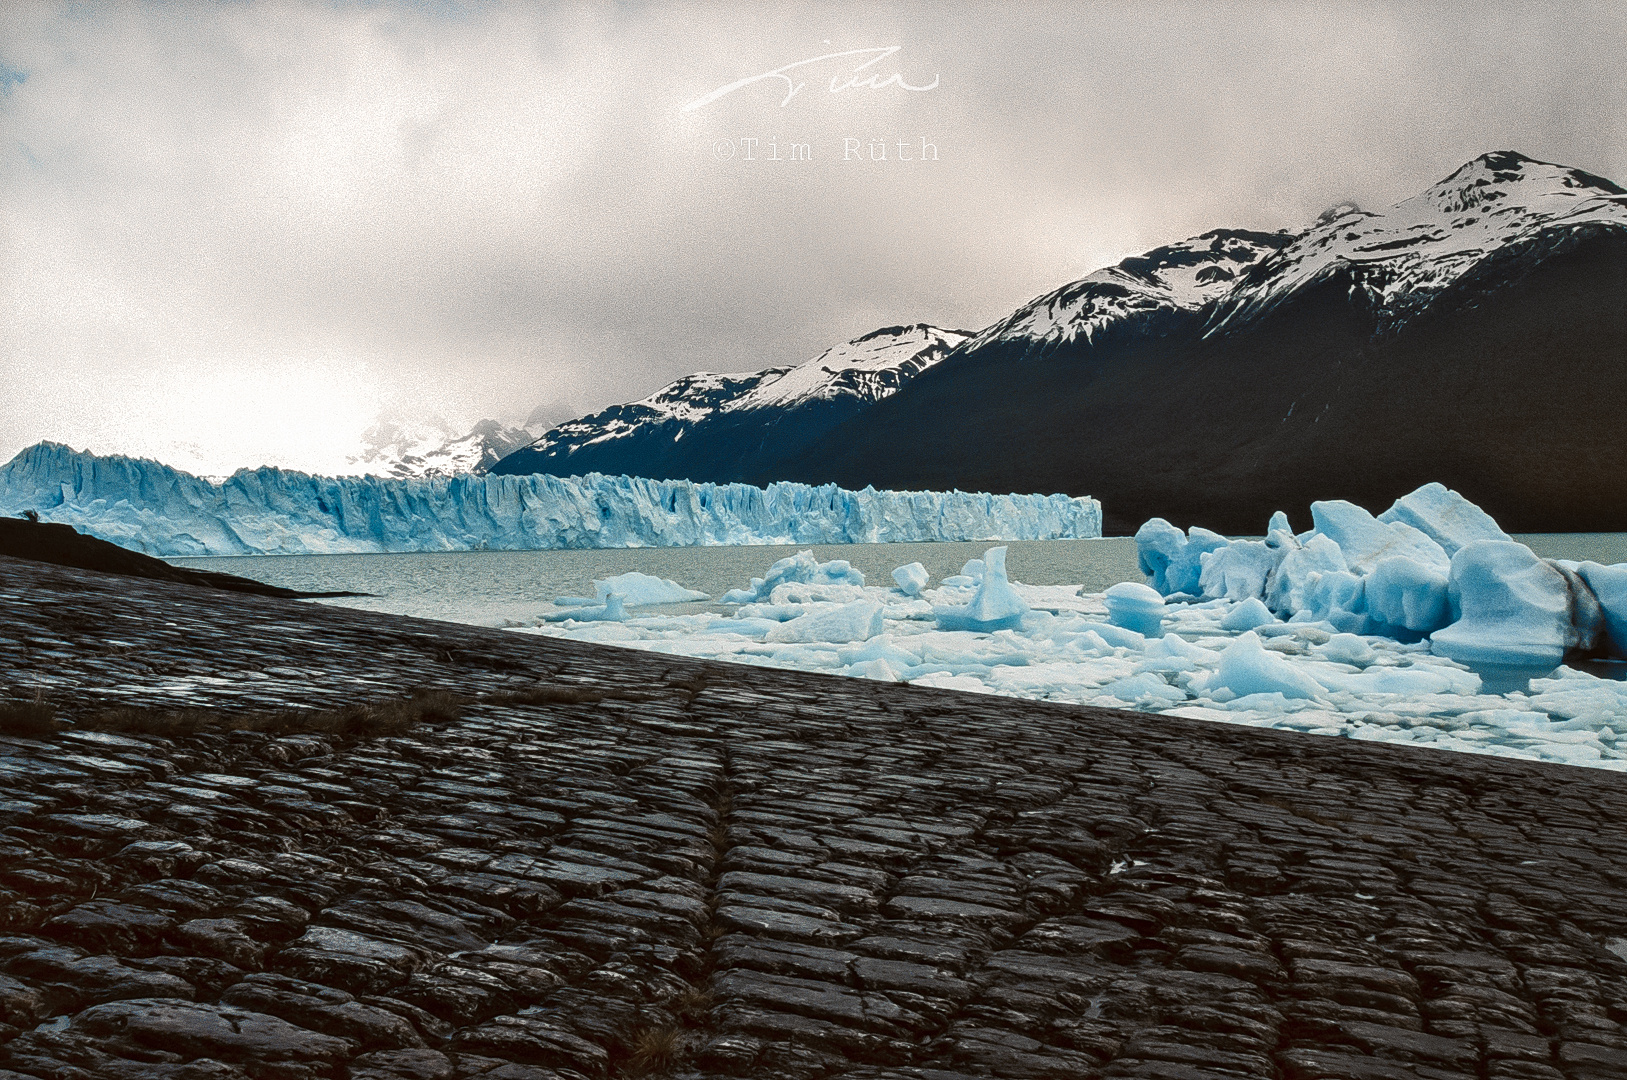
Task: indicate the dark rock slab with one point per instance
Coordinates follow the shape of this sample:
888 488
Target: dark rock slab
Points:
619 863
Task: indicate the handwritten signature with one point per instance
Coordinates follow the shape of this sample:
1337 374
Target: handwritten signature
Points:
853 81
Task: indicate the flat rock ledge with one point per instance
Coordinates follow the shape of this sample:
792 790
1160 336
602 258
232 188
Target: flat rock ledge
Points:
659 866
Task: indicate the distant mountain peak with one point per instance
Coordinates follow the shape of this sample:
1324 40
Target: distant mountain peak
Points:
736 409
405 451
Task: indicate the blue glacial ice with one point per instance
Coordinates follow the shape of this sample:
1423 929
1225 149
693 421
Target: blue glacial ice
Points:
1361 641
994 606
153 508
611 610
799 569
1432 568
1136 607
635 590
911 579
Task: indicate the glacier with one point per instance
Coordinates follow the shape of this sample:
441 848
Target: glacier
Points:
153 508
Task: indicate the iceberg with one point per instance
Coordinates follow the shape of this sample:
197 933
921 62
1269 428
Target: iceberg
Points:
612 610
1433 566
911 579
799 569
1445 517
1515 608
1171 560
858 621
163 511
995 605
1609 586
1251 614
1246 668
639 590
1135 607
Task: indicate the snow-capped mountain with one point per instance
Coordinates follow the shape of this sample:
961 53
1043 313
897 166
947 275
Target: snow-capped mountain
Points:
406 450
719 425
1406 257
1474 334
1182 277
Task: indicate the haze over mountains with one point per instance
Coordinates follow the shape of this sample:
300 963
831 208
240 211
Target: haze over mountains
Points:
1475 334
716 425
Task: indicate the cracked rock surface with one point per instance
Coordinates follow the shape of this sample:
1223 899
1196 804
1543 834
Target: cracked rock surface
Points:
667 867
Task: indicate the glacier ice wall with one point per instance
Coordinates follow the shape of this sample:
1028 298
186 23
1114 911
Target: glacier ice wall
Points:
150 507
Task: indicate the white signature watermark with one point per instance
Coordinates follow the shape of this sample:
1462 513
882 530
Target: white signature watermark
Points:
845 80
751 149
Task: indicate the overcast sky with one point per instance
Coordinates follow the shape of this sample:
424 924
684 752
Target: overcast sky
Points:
239 234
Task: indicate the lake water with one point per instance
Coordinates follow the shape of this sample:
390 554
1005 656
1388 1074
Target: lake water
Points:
495 588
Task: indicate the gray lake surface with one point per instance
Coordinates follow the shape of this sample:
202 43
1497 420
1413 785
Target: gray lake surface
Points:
494 588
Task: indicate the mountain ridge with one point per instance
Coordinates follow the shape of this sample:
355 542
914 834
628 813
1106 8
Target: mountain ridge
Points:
1475 328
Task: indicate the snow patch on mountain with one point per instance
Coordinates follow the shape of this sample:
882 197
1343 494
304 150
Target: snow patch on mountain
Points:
1406 256
406 450
868 368
1178 277
865 369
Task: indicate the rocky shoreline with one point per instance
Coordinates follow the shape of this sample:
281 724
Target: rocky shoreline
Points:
615 863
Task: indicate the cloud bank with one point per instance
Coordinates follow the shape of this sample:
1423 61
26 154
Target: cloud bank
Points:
238 234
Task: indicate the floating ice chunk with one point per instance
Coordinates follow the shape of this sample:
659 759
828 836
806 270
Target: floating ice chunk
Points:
1338 598
1286 592
1406 595
995 605
878 669
1279 523
1365 540
1247 668
1445 517
911 579
1144 687
1248 615
1159 546
613 610
801 592
776 612
1117 637
801 568
1136 607
1171 561
880 647
638 589
1239 570
1173 653
1348 649
1514 608
849 622
1609 585
1408 681
973 569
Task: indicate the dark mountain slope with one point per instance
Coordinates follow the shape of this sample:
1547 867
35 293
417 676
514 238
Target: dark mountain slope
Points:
1511 387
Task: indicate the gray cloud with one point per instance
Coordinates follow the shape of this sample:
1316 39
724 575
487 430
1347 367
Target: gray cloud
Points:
235 234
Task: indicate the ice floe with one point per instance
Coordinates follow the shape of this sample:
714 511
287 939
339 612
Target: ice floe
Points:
1398 628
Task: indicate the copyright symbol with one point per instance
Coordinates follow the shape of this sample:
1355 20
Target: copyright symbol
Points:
724 149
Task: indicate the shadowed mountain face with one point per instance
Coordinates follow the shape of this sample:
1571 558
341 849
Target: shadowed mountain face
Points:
729 425
1509 389
1475 334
